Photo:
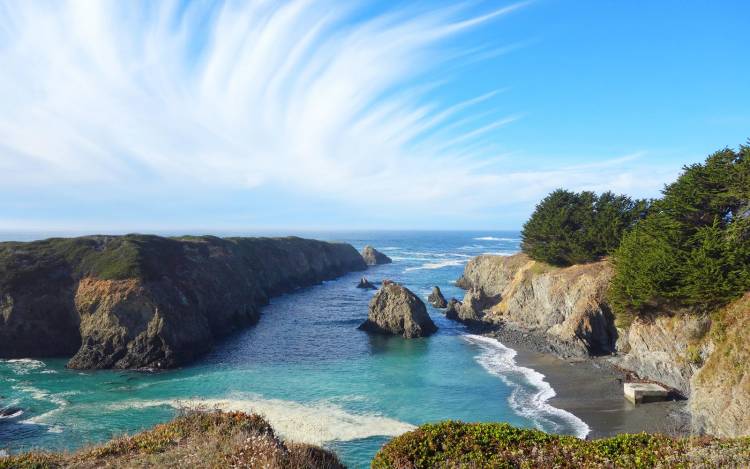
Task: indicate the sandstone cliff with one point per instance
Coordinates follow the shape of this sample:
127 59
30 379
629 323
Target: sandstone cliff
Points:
720 399
147 301
706 358
567 306
666 348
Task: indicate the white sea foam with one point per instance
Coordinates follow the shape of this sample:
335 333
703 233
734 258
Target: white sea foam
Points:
472 247
436 265
492 238
24 366
314 423
47 418
499 360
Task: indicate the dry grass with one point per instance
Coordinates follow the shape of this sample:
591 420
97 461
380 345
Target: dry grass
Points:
196 439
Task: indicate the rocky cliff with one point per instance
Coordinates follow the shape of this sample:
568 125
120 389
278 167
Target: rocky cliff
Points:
147 301
706 358
666 348
567 306
720 396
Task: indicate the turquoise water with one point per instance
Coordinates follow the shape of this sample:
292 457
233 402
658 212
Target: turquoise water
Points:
307 368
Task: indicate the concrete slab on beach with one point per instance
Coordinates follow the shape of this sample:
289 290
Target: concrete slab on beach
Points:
639 393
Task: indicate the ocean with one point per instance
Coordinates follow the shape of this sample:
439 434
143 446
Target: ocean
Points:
307 368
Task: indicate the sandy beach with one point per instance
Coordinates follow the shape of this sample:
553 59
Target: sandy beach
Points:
592 390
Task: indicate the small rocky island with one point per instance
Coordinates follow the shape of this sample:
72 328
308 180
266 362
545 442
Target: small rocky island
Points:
436 298
396 310
366 284
374 257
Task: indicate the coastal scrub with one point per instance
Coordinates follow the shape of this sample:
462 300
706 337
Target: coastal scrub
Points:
452 444
196 439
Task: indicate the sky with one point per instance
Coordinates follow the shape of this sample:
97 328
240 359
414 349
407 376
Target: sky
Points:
314 114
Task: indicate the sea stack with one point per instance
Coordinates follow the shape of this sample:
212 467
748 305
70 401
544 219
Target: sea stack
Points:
395 310
436 298
374 257
366 284
451 312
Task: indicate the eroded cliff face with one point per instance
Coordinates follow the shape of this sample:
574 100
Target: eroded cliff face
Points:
665 348
568 306
720 398
706 358
146 301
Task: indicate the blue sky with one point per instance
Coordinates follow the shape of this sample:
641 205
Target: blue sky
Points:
201 116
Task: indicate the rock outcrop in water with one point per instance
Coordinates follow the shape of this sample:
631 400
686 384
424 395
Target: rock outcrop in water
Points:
436 298
705 358
374 257
452 310
146 301
366 284
396 310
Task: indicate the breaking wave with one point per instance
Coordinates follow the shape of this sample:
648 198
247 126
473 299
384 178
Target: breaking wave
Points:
530 391
24 366
492 238
437 265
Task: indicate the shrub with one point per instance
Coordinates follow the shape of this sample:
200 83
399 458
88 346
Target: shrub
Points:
453 444
572 228
198 438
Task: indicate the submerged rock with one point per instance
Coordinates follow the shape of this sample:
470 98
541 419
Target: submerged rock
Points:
10 412
374 257
366 284
436 298
452 310
396 310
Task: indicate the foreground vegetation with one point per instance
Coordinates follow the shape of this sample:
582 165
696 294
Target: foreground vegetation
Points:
453 444
197 439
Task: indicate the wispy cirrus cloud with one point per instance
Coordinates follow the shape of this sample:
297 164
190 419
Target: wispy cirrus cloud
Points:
313 96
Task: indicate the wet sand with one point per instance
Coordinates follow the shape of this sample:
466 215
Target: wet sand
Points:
592 390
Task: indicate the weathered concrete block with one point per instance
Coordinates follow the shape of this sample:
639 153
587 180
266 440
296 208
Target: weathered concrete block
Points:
638 393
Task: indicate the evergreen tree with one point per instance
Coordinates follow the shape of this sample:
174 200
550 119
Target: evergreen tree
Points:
693 249
572 228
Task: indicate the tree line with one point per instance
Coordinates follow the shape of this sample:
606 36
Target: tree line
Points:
687 250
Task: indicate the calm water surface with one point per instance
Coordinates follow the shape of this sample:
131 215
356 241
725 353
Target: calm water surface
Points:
307 368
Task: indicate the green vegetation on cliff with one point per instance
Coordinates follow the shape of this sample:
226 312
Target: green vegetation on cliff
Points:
103 257
453 444
577 227
197 440
692 251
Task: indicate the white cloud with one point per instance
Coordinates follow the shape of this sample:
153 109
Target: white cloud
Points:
291 94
